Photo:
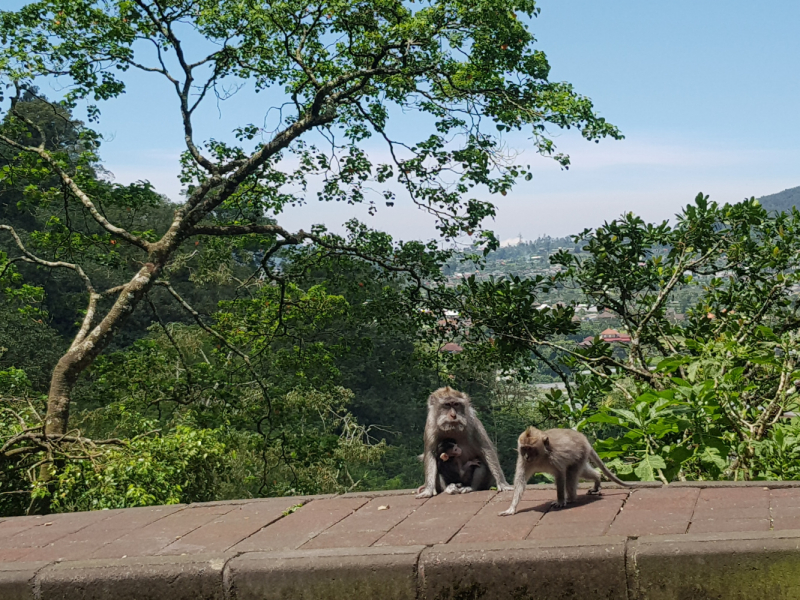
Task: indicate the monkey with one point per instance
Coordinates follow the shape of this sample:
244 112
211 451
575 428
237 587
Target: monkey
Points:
453 472
564 453
447 449
451 416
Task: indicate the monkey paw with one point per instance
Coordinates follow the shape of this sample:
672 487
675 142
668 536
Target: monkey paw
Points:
465 490
594 492
453 488
557 504
505 487
425 494
507 513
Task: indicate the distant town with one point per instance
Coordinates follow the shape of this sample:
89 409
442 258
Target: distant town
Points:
528 259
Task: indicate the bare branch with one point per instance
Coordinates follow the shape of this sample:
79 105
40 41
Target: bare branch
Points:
8 265
47 263
26 120
298 237
230 230
165 27
81 195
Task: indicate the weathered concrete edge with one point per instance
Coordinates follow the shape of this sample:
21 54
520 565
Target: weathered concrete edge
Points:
653 567
384 572
18 580
753 565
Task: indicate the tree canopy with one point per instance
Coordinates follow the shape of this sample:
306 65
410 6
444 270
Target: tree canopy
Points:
343 70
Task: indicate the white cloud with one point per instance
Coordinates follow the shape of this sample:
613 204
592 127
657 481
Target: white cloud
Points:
511 241
645 150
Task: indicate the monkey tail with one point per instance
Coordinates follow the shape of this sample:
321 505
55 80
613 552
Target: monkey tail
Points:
597 462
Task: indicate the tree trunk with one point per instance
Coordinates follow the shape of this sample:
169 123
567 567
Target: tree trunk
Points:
78 358
56 423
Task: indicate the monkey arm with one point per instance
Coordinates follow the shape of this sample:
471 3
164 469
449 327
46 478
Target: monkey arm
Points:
429 461
490 456
520 479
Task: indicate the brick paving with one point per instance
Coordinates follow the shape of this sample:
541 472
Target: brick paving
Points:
656 511
395 520
302 525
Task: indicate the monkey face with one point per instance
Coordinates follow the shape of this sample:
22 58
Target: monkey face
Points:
452 415
535 450
448 449
529 453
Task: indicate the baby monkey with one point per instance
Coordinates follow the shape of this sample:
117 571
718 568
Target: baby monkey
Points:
564 453
453 473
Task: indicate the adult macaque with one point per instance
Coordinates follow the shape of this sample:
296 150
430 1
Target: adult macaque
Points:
564 453
451 416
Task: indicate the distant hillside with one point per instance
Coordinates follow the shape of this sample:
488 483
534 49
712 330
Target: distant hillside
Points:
782 201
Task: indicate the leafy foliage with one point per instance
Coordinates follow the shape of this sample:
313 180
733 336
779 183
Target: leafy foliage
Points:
693 400
183 466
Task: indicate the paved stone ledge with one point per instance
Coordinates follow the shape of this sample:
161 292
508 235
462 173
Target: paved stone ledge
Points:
712 540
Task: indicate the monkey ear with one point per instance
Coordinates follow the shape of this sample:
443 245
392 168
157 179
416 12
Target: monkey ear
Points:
444 456
546 442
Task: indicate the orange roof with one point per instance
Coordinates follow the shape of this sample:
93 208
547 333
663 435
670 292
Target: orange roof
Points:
451 347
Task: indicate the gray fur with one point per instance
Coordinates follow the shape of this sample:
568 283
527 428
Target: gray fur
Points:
565 454
450 415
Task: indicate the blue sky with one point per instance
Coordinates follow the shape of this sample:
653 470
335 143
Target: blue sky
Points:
706 93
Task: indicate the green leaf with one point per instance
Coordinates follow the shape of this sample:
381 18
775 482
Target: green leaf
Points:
646 470
679 454
670 364
603 418
763 359
627 415
712 456
620 467
691 371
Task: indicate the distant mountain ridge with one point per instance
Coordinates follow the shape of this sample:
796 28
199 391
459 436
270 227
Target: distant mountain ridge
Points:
782 201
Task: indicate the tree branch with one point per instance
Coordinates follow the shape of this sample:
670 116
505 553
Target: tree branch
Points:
93 295
81 195
230 230
165 27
